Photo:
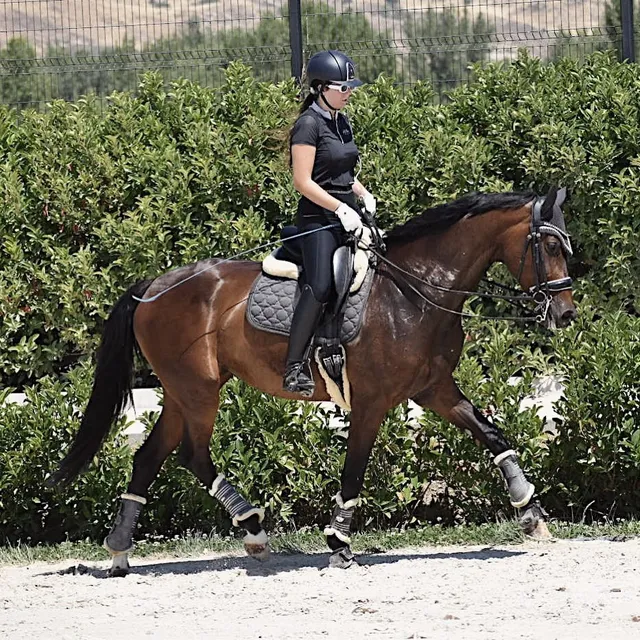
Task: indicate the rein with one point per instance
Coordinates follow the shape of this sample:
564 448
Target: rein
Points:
237 255
540 293
523 297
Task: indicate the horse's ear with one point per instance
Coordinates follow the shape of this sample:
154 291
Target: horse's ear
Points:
547 206
561 196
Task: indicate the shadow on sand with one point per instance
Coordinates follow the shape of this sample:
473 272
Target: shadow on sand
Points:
283 562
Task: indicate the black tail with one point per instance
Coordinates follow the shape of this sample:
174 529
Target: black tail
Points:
111 386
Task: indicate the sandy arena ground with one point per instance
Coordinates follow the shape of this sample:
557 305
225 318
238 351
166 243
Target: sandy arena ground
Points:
544 591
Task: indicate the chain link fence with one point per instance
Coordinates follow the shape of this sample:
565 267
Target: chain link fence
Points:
67 48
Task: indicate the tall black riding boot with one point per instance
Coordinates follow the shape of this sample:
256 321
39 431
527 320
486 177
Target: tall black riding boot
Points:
297 376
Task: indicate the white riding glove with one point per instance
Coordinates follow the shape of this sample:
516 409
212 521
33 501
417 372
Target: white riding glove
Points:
369 203
349 218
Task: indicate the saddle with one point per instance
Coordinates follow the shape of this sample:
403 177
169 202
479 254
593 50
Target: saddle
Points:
275 293
286 260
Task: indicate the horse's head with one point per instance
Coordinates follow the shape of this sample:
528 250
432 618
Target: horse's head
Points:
541 266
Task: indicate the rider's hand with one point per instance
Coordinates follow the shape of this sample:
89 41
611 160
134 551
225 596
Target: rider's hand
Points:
369 203
349 218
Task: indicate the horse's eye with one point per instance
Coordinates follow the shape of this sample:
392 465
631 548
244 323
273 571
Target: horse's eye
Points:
553 247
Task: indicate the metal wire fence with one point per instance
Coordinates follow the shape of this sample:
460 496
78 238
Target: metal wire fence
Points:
66 48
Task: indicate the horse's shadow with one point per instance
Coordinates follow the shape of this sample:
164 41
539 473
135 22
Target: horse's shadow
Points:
283 562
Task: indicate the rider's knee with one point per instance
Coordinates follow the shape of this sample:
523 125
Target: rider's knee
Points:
322 293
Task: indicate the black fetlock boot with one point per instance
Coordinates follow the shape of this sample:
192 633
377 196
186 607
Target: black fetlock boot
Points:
297 376
120 538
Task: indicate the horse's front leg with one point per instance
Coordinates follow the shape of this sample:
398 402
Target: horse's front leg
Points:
365 424
447 400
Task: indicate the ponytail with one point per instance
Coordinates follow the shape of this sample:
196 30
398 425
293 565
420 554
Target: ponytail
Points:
307 102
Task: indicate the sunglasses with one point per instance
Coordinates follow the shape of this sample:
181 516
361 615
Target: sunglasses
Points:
342 88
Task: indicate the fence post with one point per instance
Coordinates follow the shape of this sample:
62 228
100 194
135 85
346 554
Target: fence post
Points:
295 39
628 44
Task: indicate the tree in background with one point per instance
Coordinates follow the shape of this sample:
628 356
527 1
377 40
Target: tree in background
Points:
266 48
29 81
82 72
605 36
18 65
444 43
436 45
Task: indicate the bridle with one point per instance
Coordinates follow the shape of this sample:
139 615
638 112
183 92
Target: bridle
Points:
540 294
542 291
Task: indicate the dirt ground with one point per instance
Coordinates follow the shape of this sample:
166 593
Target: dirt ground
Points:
554 590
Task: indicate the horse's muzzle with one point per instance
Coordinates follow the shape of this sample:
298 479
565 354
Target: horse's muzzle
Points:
568 317
561 313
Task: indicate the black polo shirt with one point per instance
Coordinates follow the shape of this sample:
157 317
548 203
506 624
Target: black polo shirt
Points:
336 154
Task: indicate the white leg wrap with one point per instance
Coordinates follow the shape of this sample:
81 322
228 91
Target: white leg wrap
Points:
134 497
349 504
247 514
341 519
239 509
499 458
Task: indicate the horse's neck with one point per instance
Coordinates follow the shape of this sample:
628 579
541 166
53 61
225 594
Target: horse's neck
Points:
455 259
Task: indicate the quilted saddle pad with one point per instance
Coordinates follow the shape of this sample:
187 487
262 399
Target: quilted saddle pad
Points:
272 301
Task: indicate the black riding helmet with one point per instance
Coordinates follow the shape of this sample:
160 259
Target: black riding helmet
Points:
326 67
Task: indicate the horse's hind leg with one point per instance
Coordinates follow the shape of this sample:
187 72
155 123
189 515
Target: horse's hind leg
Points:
163 439
447 400
195 455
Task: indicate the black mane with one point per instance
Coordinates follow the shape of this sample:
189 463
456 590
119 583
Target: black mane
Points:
443 216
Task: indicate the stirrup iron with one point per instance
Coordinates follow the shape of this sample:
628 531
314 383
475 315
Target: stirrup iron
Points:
298 378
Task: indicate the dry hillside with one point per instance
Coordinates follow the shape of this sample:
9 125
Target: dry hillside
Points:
97 24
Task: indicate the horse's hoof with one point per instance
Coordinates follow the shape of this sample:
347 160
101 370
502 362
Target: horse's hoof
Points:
533 523
257 546
540 531
342 558
120 567
259 552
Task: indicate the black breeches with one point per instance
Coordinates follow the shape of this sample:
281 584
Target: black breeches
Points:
317 255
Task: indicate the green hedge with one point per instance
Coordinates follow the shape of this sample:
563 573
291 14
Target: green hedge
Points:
93 200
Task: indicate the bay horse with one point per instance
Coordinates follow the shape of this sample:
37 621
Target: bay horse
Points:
195 335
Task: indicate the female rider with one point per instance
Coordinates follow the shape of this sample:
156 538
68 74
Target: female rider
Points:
323 159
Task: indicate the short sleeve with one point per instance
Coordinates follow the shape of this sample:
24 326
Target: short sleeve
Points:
305 131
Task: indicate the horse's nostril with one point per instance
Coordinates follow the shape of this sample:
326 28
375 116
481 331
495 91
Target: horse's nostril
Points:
569 316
